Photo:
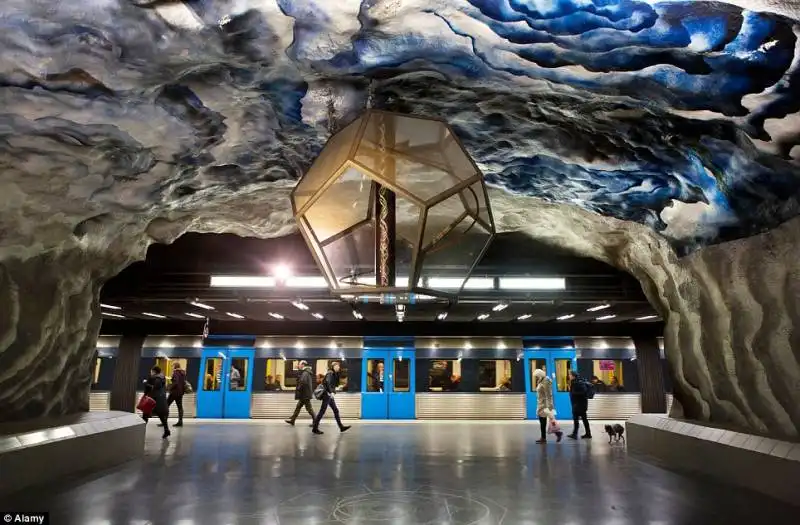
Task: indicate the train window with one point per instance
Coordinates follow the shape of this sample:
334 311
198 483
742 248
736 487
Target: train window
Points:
563 366
494 375
402 375
281 375
534 364
212 373
375 372
608 375
444 376
96 373
237 377
322 368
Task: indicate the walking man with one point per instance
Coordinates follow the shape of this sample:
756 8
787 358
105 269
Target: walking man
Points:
330 383
177 388
303 392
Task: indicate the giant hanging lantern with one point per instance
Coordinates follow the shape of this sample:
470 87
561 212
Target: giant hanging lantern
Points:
392 206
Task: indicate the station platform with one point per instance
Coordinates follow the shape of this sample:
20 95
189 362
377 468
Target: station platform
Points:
257 472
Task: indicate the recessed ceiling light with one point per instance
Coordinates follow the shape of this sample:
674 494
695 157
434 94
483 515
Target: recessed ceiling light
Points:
114 315
596 308
316 315
201 305
357 315
274 315
565 317
299 305
198 316
442 316
234 315
646 317
604 317
500 307
483 316
157 316
523 317
110 307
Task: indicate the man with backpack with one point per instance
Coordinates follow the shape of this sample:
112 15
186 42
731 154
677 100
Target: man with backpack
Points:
303 392
580 392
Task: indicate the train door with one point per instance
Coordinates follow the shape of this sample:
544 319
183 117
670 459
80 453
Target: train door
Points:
557 364
224 386
387 384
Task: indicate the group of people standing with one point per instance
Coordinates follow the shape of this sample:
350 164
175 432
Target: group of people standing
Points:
579 393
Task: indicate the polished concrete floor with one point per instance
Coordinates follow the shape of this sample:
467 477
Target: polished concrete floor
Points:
416 473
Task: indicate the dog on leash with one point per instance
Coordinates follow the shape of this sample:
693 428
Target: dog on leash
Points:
615 432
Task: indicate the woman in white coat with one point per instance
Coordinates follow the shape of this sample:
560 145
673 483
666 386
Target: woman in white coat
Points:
544 403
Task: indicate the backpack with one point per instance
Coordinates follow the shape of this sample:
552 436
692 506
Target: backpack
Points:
589 389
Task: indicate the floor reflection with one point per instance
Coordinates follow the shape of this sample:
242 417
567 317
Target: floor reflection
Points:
438 473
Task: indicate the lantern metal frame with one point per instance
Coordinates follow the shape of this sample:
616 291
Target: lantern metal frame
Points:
379 181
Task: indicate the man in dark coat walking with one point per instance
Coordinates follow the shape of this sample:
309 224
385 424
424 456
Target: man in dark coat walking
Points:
303 392
579 399
156 387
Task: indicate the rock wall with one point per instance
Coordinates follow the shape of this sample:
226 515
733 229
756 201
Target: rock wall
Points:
730 309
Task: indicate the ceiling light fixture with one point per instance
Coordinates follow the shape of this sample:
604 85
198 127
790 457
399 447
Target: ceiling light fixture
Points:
481 317
114 315
197 316
453 283
235 316
274 315
565 317
604 317
357 315
532 283
523 317
241 281
299 305
282 272
110 307
306 281
646 317
157 316
596 308
201 305
315 315
442 316
499 307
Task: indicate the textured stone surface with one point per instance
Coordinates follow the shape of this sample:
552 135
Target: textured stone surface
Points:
123 125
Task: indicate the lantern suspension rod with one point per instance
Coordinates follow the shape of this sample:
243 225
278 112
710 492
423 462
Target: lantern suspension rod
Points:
385 212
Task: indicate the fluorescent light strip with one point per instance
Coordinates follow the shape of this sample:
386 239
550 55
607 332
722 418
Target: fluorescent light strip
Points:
483 316
198 316
157 316
532 283
315 315
274 315
442 316
309 281
523 317
604 317
475 283
646 317
241 281
110 307
201 305
234 315
114 315
596 308
565 317
299 305
500 307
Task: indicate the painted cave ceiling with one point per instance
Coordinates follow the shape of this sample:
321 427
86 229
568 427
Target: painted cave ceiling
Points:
684 116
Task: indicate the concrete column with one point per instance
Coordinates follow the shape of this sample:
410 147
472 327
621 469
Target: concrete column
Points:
651 380
126 372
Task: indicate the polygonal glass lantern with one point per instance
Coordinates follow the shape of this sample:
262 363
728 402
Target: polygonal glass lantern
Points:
394 204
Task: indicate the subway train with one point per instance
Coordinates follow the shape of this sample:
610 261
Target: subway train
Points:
388 378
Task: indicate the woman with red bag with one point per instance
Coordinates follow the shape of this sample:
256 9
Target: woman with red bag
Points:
156 390
544 406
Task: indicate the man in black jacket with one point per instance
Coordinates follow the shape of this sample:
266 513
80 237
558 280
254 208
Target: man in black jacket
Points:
330 383
303 392
579 399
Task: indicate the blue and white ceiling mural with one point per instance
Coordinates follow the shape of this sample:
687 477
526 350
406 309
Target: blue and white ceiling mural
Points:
684 116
